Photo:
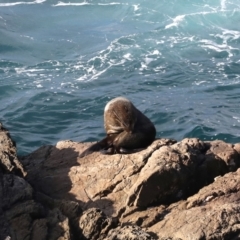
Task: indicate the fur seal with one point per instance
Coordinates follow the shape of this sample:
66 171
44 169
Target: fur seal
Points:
128 129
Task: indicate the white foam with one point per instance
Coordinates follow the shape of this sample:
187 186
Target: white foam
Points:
220 64
107 4
176 21
209 7
25 36
223 5
148 60
135 7
20 3
156 52
199 83
94 74
217 47
237 118
20 70
230 34
61 4
91 72
31 74
143 66
127 56
160 42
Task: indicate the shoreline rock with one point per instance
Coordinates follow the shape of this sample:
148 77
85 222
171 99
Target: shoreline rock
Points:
171 190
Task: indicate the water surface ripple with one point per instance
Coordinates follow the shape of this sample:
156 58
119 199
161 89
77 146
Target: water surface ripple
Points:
62 61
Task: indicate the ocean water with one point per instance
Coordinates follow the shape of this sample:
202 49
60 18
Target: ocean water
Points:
178 61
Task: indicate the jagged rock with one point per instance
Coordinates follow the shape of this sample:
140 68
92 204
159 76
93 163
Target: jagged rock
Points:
212 213
128 232
21 216
8 154
169 174
157 193
163 173
14 189
144 218
95 224
226 152
97 180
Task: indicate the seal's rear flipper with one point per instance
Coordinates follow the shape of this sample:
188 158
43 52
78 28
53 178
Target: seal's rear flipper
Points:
108 151
128 151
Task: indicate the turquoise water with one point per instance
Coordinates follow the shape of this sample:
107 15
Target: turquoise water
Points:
62 61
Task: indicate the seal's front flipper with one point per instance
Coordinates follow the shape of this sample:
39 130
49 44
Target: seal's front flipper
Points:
96 147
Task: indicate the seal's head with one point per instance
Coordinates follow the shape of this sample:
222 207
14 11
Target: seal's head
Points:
120 114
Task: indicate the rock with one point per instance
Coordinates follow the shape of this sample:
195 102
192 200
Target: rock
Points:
95 224
226 152
97 180
144 218
8 154
124 185
170 190
21 216
14 189
128 232
24 218
212 213
171 171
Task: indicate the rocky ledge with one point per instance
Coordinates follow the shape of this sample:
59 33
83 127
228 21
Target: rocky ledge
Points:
169 191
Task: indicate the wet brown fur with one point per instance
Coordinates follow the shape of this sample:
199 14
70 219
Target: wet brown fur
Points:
127 129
